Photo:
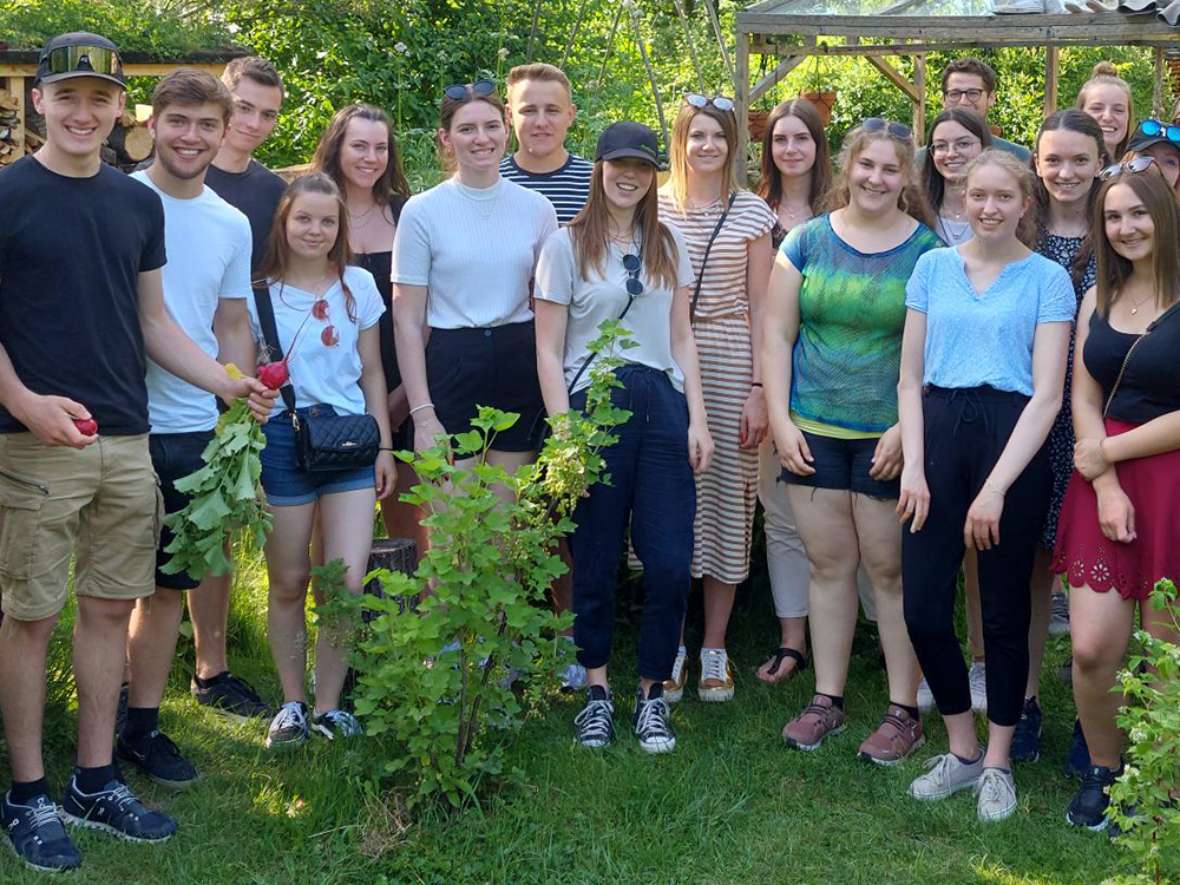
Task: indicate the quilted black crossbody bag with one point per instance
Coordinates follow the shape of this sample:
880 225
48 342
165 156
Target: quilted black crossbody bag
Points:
322 442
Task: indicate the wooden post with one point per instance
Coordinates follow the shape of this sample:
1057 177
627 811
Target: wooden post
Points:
920 104
1157 84
742 99
1051 68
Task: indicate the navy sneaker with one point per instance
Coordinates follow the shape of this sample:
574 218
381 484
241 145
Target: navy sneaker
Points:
159 758
231 696
336 724
1090 803
37 836
1077 762
1026 740
115 809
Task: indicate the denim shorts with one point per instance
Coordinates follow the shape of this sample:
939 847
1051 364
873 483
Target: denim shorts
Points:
286 483
843 465
175 456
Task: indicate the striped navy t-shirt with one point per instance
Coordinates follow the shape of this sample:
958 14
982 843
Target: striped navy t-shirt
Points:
567 188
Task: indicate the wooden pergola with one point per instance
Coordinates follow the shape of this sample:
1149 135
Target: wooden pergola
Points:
791 31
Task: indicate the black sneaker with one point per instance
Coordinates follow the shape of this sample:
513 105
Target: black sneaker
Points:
289 727
651 721
37 836
159 758
1077 760
121 710
1026 740
1089 804
231 696
115 809
595 724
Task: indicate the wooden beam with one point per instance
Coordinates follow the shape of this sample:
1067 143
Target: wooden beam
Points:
895 77
743 98
775 77
145 69
920 105
899 47
1157 84
1051 69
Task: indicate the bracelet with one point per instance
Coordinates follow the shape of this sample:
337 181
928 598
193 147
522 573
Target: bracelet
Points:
421 407
385 449
994 489
755 383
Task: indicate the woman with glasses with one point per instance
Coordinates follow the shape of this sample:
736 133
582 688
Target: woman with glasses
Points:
618 261
1118 527
472 243
796 175
956 137
982 367
1161 142
830 354
727 230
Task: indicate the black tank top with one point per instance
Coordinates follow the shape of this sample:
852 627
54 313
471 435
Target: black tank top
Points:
1151 382
380 265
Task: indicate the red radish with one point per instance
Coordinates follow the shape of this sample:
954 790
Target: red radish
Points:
319 309
329 336
274 375
86 426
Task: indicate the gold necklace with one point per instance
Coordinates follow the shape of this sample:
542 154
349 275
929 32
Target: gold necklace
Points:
1138 304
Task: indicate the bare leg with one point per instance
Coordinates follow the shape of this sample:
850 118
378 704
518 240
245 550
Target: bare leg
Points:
100 649
151 643
1100 626
960 732
288 567
23 646
974 606
404 520
346 523
880 550
1041 587
824 519
208 609
719 597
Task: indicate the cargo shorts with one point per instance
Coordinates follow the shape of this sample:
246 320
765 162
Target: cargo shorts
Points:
101 504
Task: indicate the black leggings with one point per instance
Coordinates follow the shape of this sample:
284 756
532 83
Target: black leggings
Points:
966 431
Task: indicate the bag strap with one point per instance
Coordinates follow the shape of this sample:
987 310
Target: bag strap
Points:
1126 359
270 337
696 294
590 356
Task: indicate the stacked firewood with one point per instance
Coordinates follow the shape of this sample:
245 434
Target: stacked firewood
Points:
12 129
130 140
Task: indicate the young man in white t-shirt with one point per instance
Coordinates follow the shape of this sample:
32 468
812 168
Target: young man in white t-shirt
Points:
206 286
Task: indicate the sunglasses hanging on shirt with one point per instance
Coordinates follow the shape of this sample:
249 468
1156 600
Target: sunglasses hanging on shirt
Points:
632 264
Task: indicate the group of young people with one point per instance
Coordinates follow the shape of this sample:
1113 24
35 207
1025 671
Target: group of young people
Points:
881 349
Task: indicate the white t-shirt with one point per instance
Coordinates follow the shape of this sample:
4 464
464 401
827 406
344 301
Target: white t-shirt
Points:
322 373
474 249
208 243
603 296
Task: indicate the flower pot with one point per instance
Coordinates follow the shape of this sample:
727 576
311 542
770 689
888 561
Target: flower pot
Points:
824 102
757 127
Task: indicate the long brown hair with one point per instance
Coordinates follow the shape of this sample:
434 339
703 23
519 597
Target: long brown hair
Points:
274 266
1106 74
910 198
932 179
1114 270
327 153
770 188
590 233
1026 230
446 115
678 151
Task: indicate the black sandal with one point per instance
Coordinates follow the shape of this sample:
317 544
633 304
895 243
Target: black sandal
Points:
779 655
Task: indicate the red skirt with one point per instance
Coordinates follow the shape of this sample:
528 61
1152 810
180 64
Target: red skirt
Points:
1089 559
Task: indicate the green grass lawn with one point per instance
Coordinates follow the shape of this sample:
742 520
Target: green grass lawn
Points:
731 804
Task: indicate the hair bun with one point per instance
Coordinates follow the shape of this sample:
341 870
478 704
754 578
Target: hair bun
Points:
1104 68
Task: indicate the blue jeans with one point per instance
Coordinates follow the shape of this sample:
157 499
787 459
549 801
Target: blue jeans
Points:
652 487
287 484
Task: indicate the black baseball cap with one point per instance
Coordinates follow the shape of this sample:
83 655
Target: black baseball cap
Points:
1152 132
80 54
627 139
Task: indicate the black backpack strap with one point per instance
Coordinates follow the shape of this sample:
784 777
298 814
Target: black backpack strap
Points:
696 294
270 337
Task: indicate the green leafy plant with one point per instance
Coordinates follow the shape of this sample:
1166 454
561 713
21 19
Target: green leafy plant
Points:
1142 802
434 683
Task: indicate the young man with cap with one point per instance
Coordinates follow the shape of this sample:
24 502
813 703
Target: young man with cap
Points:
81 309
257 94
206 284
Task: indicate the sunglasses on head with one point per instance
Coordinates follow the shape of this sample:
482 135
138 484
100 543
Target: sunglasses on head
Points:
633 264
1139 164
897 130
81 58
721 102
459 91
1152 128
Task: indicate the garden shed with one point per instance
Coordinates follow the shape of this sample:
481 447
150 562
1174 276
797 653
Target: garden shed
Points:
785 33
21 131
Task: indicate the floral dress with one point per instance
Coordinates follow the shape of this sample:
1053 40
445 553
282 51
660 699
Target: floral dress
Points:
1063 250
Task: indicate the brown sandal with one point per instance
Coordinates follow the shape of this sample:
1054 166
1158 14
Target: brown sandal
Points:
776 661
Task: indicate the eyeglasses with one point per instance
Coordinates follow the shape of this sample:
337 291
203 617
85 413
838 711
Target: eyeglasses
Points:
632 264
81 58
961 146
1152 128
969 94
897 130
459 91
718 101
1138 164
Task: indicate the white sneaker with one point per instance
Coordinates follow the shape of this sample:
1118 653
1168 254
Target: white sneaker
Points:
996 792
716 676
925 696
574 678
1059 619
977 679
945 775
674 687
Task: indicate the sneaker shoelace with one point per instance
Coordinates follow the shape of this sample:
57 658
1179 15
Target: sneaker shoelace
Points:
713 666
291 715
992 786
653 719
343 722
123 801
678 668
594 721
45 816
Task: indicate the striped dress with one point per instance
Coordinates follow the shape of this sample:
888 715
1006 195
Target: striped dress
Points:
727 491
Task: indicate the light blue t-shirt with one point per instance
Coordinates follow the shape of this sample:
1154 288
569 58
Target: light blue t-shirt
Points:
974 339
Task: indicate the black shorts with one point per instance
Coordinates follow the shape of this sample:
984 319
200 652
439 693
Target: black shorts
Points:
175 456
843 464
497 367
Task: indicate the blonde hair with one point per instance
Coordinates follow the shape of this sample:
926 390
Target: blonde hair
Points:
539 71
677 185
1106 74
910 198
1026 230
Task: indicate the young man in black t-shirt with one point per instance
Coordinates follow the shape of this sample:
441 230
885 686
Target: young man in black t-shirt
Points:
247 185
81 307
